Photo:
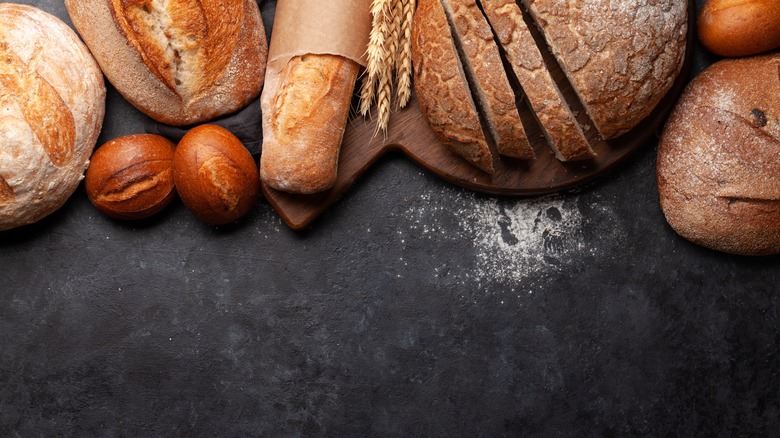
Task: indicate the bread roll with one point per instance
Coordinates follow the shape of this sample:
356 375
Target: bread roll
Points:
179 61
559 125
482 64
52 102
739 27
621 57
442 89
719 158
305 110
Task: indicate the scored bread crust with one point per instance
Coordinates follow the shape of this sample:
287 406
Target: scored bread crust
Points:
494 94
621 57
305 110
52 103
559 125
441 87
718 163
180 62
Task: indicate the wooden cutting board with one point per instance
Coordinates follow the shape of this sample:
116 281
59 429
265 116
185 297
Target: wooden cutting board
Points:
409 132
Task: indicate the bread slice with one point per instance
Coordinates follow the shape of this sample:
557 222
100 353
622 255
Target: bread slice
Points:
559 125
621 57
489 83
442 89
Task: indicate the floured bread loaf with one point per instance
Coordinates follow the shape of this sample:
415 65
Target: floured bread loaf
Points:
179 61
442 88
52 103
622 57
719 158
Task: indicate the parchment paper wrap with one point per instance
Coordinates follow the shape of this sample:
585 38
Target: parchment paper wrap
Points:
336 27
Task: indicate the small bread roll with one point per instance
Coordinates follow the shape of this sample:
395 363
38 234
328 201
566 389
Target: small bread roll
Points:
739 27
719 158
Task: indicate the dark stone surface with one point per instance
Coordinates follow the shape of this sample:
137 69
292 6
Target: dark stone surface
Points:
412 308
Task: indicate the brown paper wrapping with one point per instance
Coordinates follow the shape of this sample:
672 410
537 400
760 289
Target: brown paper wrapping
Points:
335 27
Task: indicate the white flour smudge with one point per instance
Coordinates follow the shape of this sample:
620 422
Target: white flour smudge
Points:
513 240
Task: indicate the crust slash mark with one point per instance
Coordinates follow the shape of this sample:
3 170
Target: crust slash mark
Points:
572 99
48 116
6 192
471 81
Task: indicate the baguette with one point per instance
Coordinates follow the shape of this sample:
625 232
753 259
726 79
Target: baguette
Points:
305 110
181 62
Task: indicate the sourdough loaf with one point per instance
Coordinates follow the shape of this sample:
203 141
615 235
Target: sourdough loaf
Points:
179 61
491 89
621 57
559 125
305 110
52 102
442 89
719 158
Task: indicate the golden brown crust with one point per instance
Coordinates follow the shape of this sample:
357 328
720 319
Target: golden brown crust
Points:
442 90
215 176
718 161
52 102
621 57
305 111
179 61
556 119
492 90
131 177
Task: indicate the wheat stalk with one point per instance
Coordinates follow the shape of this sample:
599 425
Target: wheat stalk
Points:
404 58
375 55
385 86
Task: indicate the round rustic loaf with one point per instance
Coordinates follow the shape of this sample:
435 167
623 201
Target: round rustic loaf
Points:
719 158
52 103
181 62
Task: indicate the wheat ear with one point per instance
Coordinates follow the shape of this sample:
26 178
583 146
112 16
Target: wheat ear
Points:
375 55
404 59
385 85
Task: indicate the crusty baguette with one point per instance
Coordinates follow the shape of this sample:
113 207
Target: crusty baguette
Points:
179 61
442 89
305 110
52 103
719 158
621 57
482 63
559 125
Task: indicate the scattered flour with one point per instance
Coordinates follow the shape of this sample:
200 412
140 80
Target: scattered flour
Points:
514 239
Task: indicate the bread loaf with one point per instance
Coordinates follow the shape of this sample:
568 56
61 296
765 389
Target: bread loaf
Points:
559 125
179 61
52 102
442 89
482 64
719 158
621 57
305 110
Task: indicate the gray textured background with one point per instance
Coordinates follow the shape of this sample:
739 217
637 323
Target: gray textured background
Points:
412 308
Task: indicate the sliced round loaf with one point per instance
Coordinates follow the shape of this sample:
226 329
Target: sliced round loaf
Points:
622 57
719 158
52 103
179 61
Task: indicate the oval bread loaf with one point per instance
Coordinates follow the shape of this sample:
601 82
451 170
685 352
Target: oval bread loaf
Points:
719 158
179 61
52 103
740 27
